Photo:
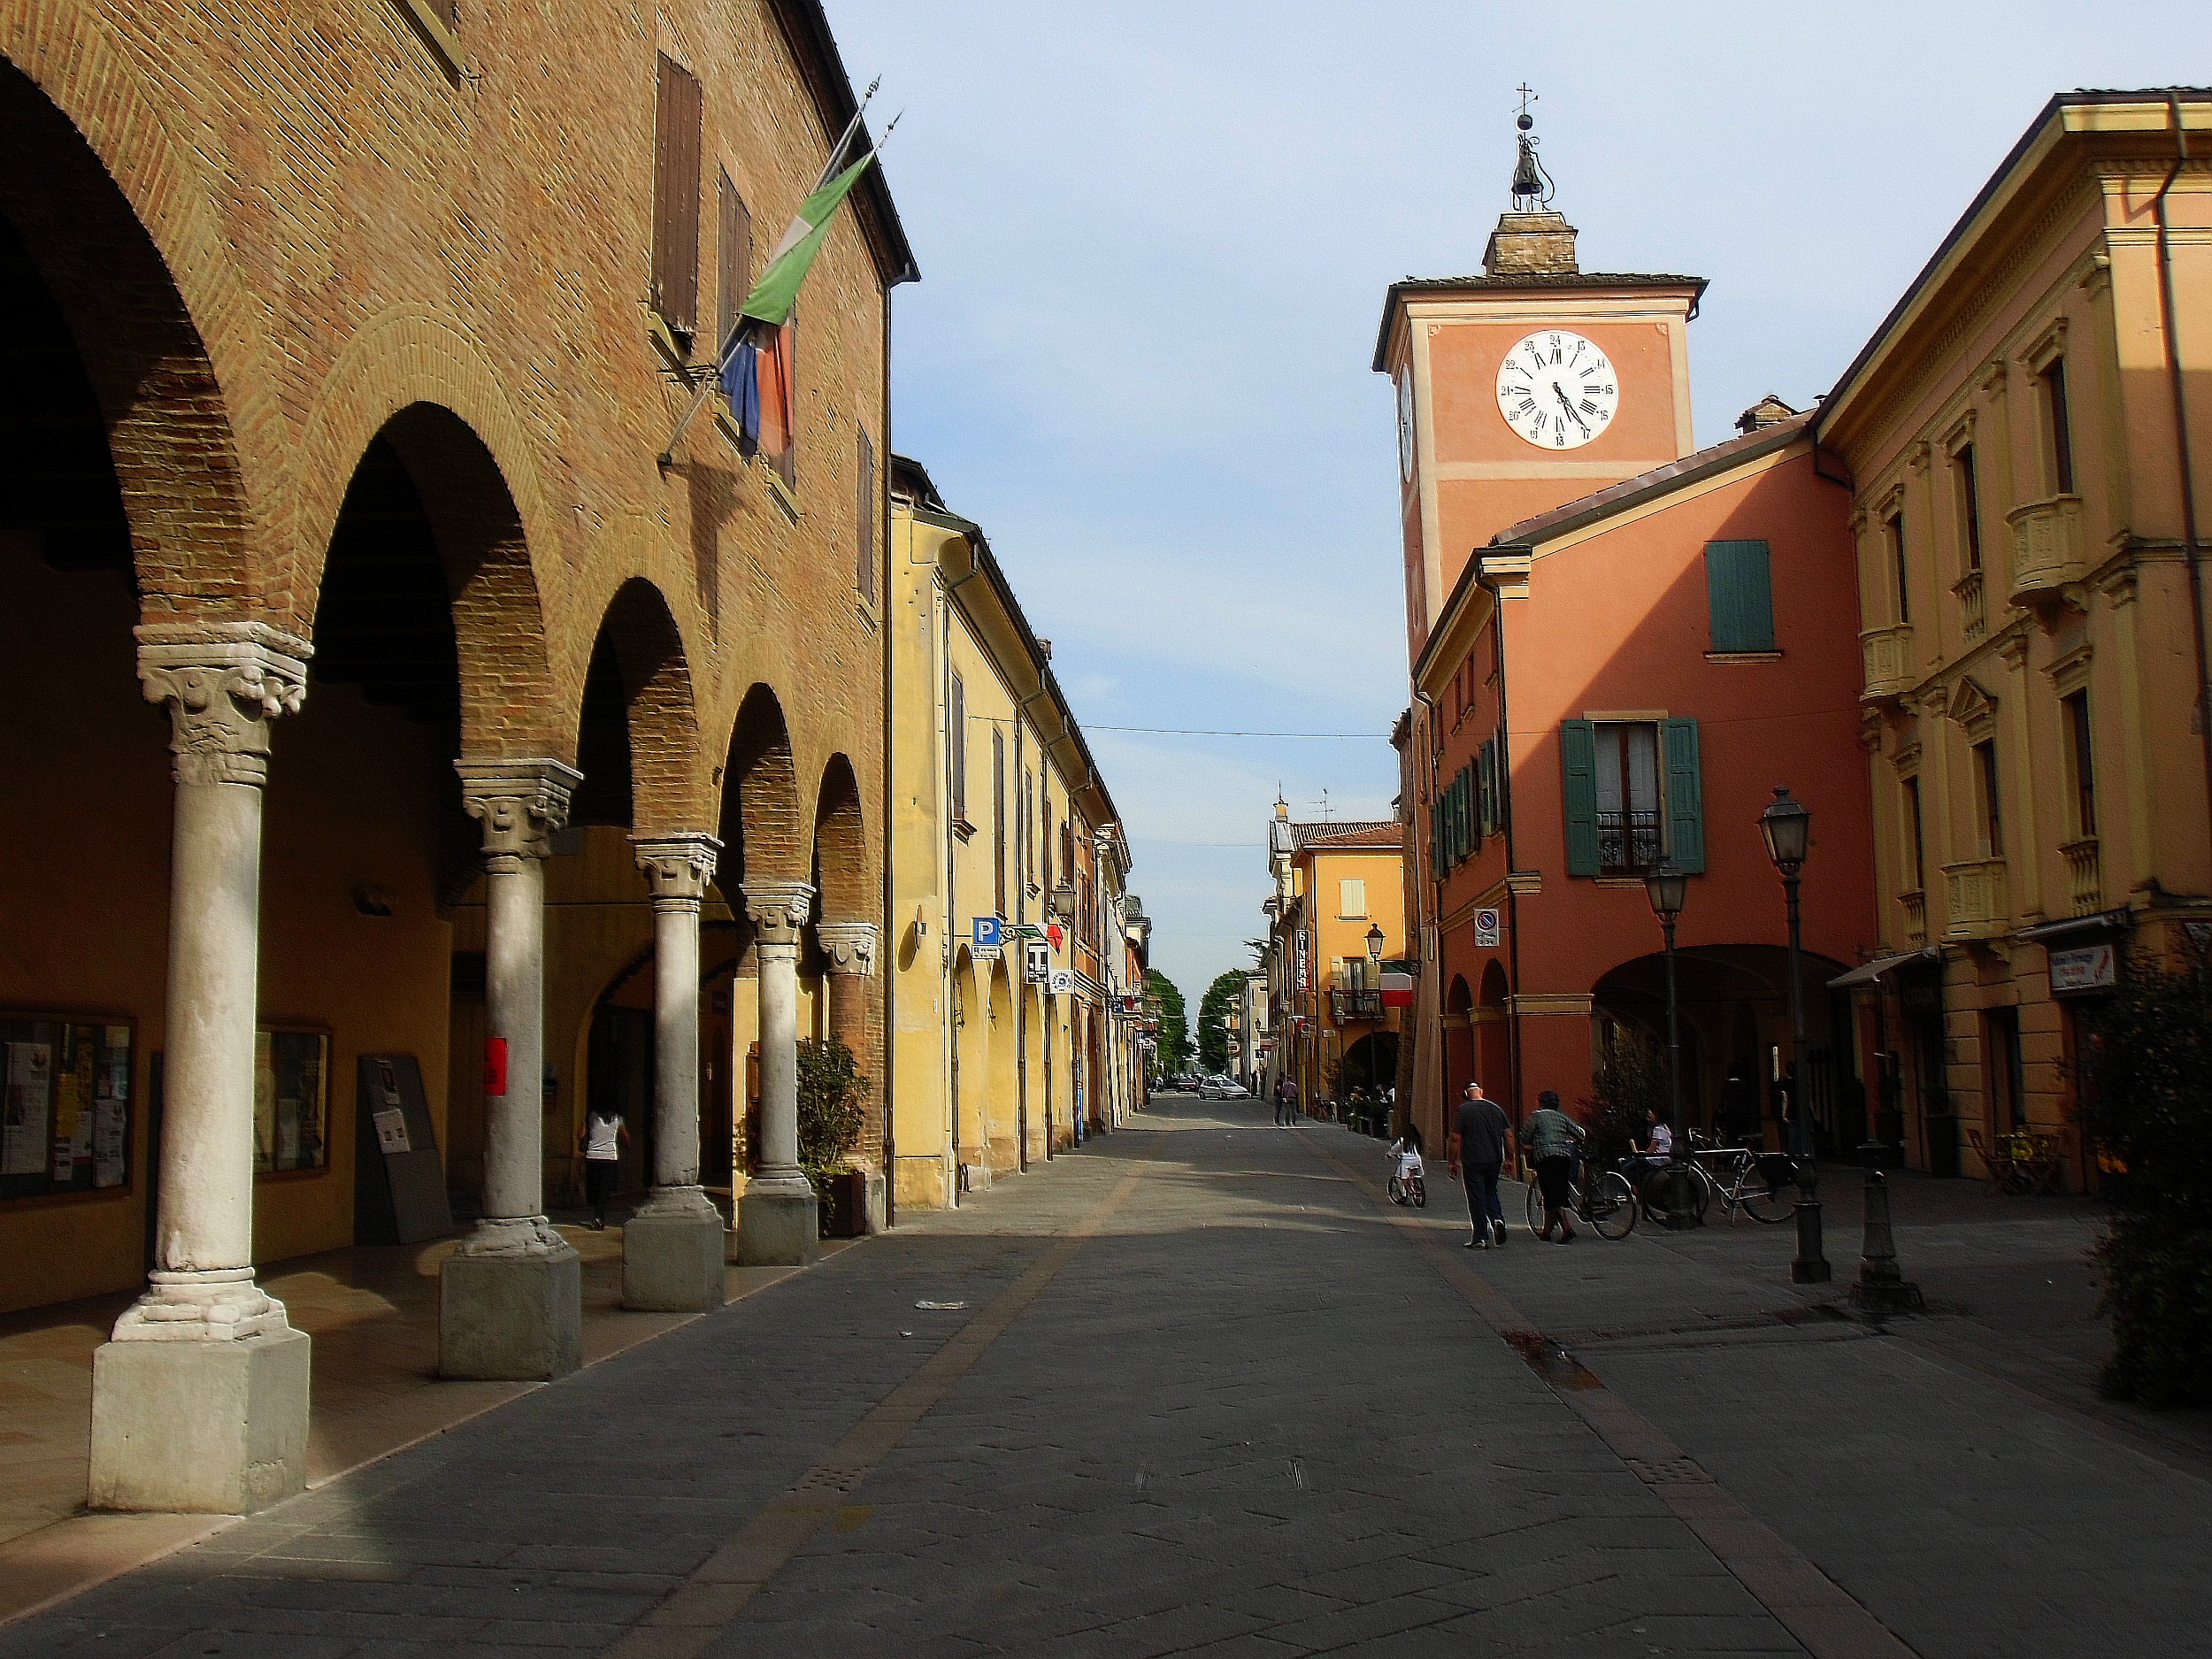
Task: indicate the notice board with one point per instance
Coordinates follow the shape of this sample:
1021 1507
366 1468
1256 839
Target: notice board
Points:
399 1180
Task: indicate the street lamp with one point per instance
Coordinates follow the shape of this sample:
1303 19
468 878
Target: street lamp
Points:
1667 888
1375 944
1787 827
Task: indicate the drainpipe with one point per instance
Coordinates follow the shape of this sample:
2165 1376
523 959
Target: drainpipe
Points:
888 947
2186 471
1505 803
1436 907
952 919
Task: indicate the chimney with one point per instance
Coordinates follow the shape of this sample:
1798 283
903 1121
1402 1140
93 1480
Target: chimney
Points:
1768 411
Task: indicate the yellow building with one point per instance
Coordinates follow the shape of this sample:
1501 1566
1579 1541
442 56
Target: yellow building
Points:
1008 867
2028 433
1336 915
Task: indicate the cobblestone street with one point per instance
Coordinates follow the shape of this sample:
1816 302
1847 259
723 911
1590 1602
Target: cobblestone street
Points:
1200 1391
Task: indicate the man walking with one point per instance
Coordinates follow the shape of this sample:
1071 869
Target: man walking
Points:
1554 1141
1285 1101
1479 1131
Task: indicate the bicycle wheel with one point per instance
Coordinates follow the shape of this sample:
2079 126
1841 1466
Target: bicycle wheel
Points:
1763 1201
1397 1191
1701 1195
1535 1209
1612 1206
1420 1194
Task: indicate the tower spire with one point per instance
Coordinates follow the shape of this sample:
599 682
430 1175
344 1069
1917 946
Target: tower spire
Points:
1532 239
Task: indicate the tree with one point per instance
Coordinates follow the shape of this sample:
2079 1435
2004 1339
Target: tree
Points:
1174 1053
1213 1019
833 1107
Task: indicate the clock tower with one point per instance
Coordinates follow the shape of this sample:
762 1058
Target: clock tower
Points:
1528 386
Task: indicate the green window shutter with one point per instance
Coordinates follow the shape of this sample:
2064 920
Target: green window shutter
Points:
1482 793
1739 592
1436 837
1459 816
1686 796
1578 762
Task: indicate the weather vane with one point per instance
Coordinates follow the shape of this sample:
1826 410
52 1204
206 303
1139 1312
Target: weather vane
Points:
1532 187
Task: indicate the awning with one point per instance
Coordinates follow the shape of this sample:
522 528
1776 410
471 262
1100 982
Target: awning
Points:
2079 927
1870 973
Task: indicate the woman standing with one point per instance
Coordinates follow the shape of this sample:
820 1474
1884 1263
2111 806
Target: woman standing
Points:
605 1134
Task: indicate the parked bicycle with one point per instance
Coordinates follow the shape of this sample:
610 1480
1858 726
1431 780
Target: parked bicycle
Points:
1761 1185
1600 1197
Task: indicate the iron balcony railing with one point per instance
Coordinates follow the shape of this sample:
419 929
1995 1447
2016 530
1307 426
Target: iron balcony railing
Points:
1628 841
1345 1006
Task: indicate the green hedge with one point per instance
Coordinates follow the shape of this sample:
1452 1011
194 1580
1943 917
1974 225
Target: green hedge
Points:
2158 1289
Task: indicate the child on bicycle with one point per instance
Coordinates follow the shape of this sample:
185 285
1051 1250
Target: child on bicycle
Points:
1405 1153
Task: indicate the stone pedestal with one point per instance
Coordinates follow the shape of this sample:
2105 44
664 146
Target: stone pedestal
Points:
198 1426
779 1227
674 1251
780 1218
511 1298
513 1315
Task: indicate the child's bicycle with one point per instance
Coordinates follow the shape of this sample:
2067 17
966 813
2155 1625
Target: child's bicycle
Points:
1407 1185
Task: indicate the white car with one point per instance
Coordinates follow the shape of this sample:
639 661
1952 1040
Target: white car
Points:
1223 1088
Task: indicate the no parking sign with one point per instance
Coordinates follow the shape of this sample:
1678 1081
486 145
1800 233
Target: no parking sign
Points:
1486 927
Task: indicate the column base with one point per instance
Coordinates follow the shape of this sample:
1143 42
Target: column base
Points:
510 1305
779 1224
672 1254
204 1427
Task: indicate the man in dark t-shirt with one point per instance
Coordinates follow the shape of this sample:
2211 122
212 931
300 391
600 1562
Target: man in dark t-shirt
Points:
1477 1153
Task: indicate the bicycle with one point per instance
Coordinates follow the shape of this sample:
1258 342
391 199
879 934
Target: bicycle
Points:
1761 1185
1607 1203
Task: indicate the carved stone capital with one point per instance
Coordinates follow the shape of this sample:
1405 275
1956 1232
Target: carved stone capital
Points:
779 909
677 868
519 802
851 947
224 682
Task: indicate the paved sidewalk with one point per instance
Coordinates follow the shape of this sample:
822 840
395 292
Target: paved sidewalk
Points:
1199 1392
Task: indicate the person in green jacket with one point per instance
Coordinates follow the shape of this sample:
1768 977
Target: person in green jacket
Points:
1554 1142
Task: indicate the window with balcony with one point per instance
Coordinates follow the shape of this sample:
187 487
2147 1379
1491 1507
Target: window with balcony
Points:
1966 491
2058 426
1893 529
1916 860
1988 799
1630 837
1634 795
2082 767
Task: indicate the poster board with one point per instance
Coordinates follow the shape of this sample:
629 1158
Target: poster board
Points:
65 1103
399 1194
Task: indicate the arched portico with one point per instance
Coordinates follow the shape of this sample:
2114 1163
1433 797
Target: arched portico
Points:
848 932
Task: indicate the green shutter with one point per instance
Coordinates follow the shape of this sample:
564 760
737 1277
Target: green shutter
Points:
1686 796
1459 816
1486 820
1436 837
1739 592
1578 762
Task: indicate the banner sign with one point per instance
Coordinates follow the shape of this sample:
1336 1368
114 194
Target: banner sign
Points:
2085 968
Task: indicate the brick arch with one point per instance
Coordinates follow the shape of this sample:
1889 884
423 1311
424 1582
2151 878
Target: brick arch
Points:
115 218
405 356
507 708
640 633
763 822
840 851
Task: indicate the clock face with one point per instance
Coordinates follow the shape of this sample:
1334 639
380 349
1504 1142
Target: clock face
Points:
1405 426
1557 389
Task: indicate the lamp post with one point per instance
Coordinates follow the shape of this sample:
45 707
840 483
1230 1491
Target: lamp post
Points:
1667 888
1787 827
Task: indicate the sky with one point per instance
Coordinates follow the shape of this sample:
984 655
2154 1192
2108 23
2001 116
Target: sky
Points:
1155 237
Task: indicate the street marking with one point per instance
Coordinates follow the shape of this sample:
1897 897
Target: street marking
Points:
698 1609
1823 1615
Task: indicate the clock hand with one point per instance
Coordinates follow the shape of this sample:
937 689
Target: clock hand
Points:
1567 404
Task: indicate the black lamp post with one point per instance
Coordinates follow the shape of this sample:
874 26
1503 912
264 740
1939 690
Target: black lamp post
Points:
1667 888
1787 827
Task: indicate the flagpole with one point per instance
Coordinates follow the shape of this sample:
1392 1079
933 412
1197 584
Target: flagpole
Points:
744 325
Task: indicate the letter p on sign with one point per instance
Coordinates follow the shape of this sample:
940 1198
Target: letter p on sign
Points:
494 1065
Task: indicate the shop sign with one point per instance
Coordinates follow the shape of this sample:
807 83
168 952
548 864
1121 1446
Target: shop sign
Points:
1486 928
2083 969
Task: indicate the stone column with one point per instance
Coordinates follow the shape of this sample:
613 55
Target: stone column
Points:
511 1297
199 1401
778 1220
673 1248
850 948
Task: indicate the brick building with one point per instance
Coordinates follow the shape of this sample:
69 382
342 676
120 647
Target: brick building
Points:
344 453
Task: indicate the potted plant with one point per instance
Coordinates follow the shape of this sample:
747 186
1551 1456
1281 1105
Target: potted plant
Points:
833 1113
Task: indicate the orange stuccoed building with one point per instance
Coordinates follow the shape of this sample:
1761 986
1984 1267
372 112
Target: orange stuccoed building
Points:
1619 646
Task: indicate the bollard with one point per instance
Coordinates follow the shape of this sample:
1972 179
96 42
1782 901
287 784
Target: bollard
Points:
1882 1287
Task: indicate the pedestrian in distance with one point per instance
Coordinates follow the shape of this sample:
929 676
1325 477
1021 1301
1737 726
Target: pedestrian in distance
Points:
1285 1101
1553 1141
605 1134
1476 1153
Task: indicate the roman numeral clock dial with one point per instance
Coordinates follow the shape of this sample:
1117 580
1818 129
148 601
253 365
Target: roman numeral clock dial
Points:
1557 389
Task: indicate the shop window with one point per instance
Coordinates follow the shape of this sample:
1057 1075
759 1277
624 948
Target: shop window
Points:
291 1100
66 1114
2008 1092
1740 595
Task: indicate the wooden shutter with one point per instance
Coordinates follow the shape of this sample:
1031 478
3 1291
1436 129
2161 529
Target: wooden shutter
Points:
1685 794
678 113
1464 790
1436 837
1739 594
1578 765
1485 793
733 258
864 570
959 747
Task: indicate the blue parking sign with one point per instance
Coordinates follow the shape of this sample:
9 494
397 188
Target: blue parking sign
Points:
986 931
